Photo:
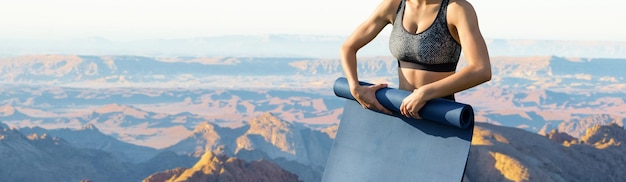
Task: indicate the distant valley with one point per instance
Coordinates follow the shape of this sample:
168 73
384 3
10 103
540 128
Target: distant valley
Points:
133 110
143 99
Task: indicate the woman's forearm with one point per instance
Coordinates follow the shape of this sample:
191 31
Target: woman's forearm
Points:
466 78
349 64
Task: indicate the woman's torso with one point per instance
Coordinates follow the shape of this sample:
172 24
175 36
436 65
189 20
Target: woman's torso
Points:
426 48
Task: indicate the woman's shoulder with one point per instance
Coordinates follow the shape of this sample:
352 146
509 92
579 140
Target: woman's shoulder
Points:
391 6
387 9
461 10
460 5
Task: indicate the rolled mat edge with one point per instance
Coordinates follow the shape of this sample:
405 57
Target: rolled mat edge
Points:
437 110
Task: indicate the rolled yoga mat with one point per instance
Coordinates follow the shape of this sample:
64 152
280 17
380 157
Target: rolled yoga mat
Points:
373 146
438 110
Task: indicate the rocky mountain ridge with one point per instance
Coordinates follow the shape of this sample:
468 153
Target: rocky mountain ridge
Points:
89 137
54 159
498 153
293 146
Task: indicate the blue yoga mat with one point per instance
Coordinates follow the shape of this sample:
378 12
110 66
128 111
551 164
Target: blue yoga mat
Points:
373 146
437 110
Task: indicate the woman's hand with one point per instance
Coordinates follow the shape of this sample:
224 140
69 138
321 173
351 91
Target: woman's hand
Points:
366 96
412 104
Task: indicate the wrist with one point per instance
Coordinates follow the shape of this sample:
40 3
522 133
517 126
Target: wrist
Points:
354 89
423 93
353 83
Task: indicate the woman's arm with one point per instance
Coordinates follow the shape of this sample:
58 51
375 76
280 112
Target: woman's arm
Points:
463 17
363 34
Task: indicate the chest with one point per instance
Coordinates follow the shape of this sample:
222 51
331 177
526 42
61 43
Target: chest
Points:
418 19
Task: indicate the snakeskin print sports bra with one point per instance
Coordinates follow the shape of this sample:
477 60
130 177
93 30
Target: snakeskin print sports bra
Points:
434 49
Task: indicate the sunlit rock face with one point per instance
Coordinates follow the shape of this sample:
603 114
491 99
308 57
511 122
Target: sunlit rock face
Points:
212 167
510 154
282 139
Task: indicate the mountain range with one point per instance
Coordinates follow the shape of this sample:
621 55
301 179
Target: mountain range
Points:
288 45
137 100
498 153
132 118
44 157
539 72
91 138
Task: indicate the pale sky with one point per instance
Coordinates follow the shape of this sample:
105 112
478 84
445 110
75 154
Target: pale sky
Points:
143 19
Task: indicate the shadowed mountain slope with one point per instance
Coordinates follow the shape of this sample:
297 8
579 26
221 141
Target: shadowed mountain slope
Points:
53 159
91 138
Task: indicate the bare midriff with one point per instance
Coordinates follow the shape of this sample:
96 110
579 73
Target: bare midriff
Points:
410 79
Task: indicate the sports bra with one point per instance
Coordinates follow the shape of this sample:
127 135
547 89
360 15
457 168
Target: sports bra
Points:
434 49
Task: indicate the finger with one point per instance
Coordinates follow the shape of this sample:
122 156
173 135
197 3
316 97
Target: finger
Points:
363 104
379 86
417 109
381 108
405 113
408 112
403 109
416 115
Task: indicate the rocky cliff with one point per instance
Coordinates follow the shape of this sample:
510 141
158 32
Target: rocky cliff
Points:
509 154
221 168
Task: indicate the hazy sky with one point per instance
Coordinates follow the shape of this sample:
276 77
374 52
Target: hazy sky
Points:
143 19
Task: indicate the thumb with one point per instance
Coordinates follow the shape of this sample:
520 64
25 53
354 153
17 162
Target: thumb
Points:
379 86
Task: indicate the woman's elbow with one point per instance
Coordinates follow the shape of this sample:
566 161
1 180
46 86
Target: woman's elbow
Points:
481 73
346 48
485 74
